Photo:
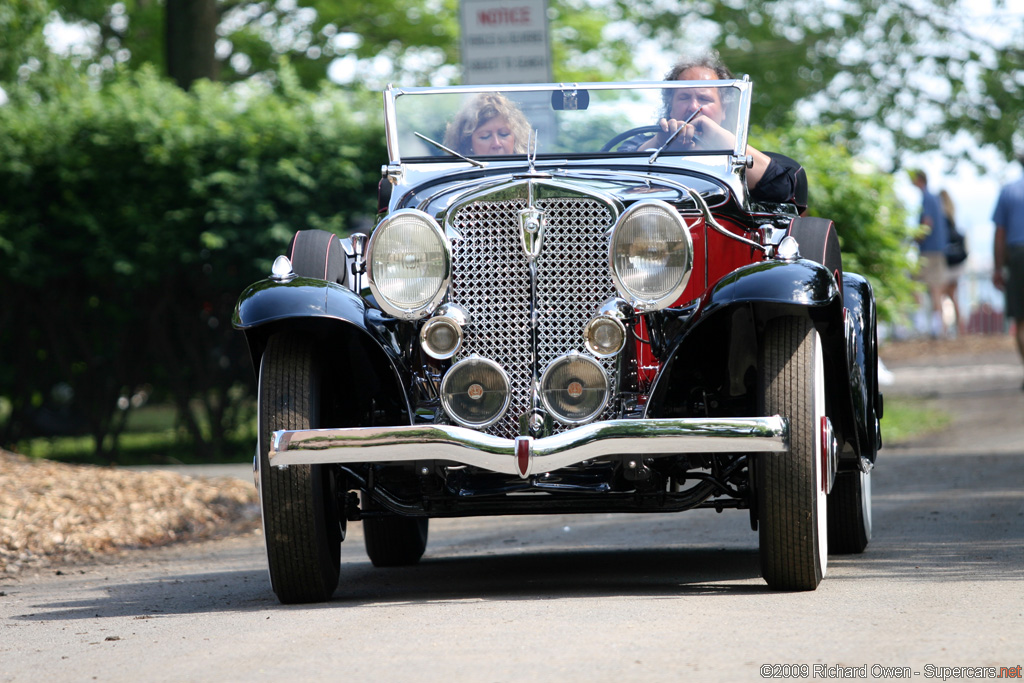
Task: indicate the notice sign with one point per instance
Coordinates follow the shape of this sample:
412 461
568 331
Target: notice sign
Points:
505 41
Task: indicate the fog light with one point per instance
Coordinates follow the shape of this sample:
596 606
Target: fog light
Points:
475 392
574 388
604 336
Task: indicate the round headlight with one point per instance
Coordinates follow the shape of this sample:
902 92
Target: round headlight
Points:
409 263
651 255
574 388
475 392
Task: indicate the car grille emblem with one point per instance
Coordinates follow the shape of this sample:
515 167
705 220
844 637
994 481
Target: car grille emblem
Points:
532 223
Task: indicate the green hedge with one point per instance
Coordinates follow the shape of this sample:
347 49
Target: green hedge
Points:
131 218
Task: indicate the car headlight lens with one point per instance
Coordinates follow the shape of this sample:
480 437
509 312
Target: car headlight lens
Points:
409 264
651 255
475 392
574 388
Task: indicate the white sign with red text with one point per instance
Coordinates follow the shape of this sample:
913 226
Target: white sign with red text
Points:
505 41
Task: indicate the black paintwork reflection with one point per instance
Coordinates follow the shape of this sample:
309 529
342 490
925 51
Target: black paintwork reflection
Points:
799 282
269 300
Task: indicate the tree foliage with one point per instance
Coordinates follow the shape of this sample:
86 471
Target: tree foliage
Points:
871 221
905 75
133 217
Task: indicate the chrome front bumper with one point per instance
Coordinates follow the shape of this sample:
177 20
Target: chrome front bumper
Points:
525 455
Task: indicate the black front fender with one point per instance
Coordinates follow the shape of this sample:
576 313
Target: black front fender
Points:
361 346
268 301
785 283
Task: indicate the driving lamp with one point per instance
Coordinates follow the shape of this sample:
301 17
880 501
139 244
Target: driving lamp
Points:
574 388
604 336
441 336
475 392
651 255
408 263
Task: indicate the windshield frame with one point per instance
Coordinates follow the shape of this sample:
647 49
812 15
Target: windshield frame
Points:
392 94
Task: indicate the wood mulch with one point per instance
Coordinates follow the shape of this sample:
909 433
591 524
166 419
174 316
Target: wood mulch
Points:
54 514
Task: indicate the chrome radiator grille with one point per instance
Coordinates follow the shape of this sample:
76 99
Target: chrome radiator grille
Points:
490 278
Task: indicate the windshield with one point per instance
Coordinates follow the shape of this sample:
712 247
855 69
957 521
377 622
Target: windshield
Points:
484 122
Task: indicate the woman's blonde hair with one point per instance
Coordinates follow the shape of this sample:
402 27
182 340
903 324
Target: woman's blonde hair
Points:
478 111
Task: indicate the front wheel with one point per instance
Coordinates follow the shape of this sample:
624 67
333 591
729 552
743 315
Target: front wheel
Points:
301 524
791 498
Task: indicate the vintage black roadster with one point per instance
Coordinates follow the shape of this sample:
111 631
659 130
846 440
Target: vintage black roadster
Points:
594 319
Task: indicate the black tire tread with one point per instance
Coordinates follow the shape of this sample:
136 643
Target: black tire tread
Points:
847 532
786 530
304 565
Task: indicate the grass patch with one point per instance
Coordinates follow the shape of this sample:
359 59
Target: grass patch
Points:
907 417
150 437
154 448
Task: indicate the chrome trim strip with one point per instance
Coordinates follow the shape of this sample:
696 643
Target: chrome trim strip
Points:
470 447
702 206
739 84
518 187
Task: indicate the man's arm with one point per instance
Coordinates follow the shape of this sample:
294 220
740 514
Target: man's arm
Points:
999 257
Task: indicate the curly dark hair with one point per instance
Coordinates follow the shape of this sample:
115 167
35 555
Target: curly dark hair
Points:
707 60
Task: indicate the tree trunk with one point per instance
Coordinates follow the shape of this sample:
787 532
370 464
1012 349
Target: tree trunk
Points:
191 36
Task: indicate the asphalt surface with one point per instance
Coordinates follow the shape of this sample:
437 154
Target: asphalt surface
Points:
980 388
938 595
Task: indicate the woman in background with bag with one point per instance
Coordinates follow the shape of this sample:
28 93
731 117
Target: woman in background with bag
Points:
956 259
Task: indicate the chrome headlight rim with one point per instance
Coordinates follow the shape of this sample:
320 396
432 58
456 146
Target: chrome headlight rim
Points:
605 388
429 304
644 304
482 424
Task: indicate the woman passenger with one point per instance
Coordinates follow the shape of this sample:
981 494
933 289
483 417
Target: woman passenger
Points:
489 123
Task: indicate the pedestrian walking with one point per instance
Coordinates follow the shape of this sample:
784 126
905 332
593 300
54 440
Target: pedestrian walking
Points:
1008 254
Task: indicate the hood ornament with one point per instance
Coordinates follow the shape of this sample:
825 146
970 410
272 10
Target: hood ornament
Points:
531 219
531 150
532 223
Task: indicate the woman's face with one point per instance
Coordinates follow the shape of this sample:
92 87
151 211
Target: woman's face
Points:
493 137
685 102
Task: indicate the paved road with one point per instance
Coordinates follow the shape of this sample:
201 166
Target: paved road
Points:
603 598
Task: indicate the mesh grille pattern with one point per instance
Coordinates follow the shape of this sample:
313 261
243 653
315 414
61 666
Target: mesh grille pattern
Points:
490 278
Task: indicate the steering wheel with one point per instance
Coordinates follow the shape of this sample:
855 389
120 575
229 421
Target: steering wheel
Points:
632 132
